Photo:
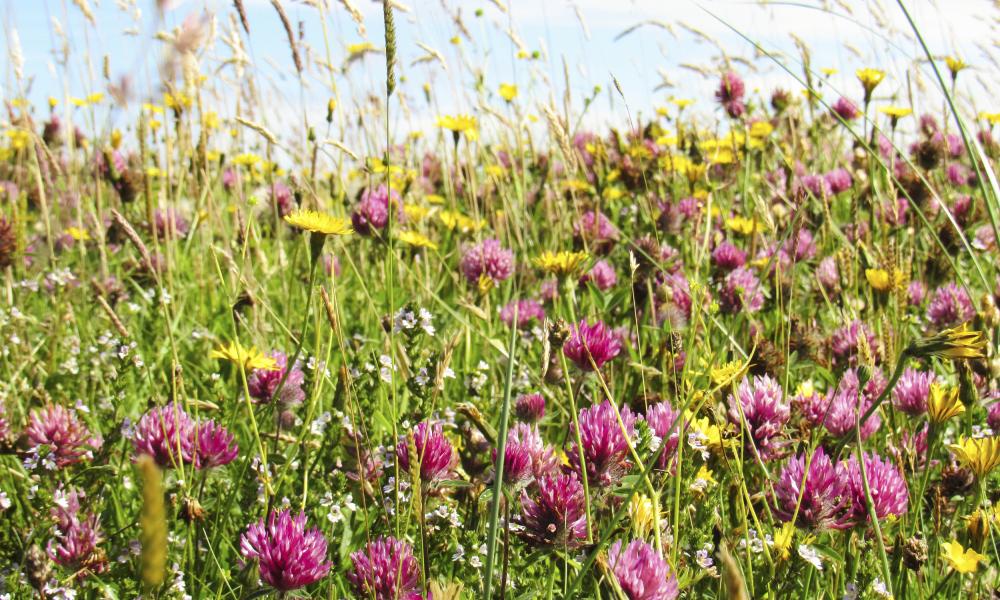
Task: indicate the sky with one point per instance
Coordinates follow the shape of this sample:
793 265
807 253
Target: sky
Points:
586 42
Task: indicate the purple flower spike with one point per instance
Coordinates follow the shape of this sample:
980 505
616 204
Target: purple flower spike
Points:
434 451
602 275
557 516
766 412
824 495
888 488
605 447
487 258
528 312
289 555
216 446
641 572
950 305
661 417
385 570
911 392
730 94
372 212
741 290
727 257
263 383
595 341
529 408
167 434
67 438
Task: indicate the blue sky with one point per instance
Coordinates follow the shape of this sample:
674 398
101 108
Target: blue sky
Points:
583 35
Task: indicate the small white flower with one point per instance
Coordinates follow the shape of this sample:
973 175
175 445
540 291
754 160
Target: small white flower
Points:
811 556
881 589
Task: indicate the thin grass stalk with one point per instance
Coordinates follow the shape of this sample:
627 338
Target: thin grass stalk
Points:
491 537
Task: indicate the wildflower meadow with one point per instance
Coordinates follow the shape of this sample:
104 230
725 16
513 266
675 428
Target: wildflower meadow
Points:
467 300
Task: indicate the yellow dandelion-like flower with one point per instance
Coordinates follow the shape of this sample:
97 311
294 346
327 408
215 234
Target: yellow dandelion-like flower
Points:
485 284
705 477
116 139
317 222
783 540
954 343
78 233
879 279
895 112
563 262
955 65
682 103
943 403
251 358
508 91
460 125
742 225
980 455
360 49
177 100
434 199
418 240
728 372
415 212
991 118
53 102
641 514
494 170
456 220
960 559
869 78
761 129
828 71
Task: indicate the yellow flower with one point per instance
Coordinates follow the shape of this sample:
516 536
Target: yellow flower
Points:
485 283
870 78
177 100
981 455
761 129
728 372
957 342
415 212
563 262
460 124
783 540
251 358
95 97
116 139
828 71
879 279
434 199
318 222
77 233
508 91
943 403
415 239
955 65
991 118
359 49
456 220
210 120
895 112
742 225
704 478
641 515
53 102
960 559
682 103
